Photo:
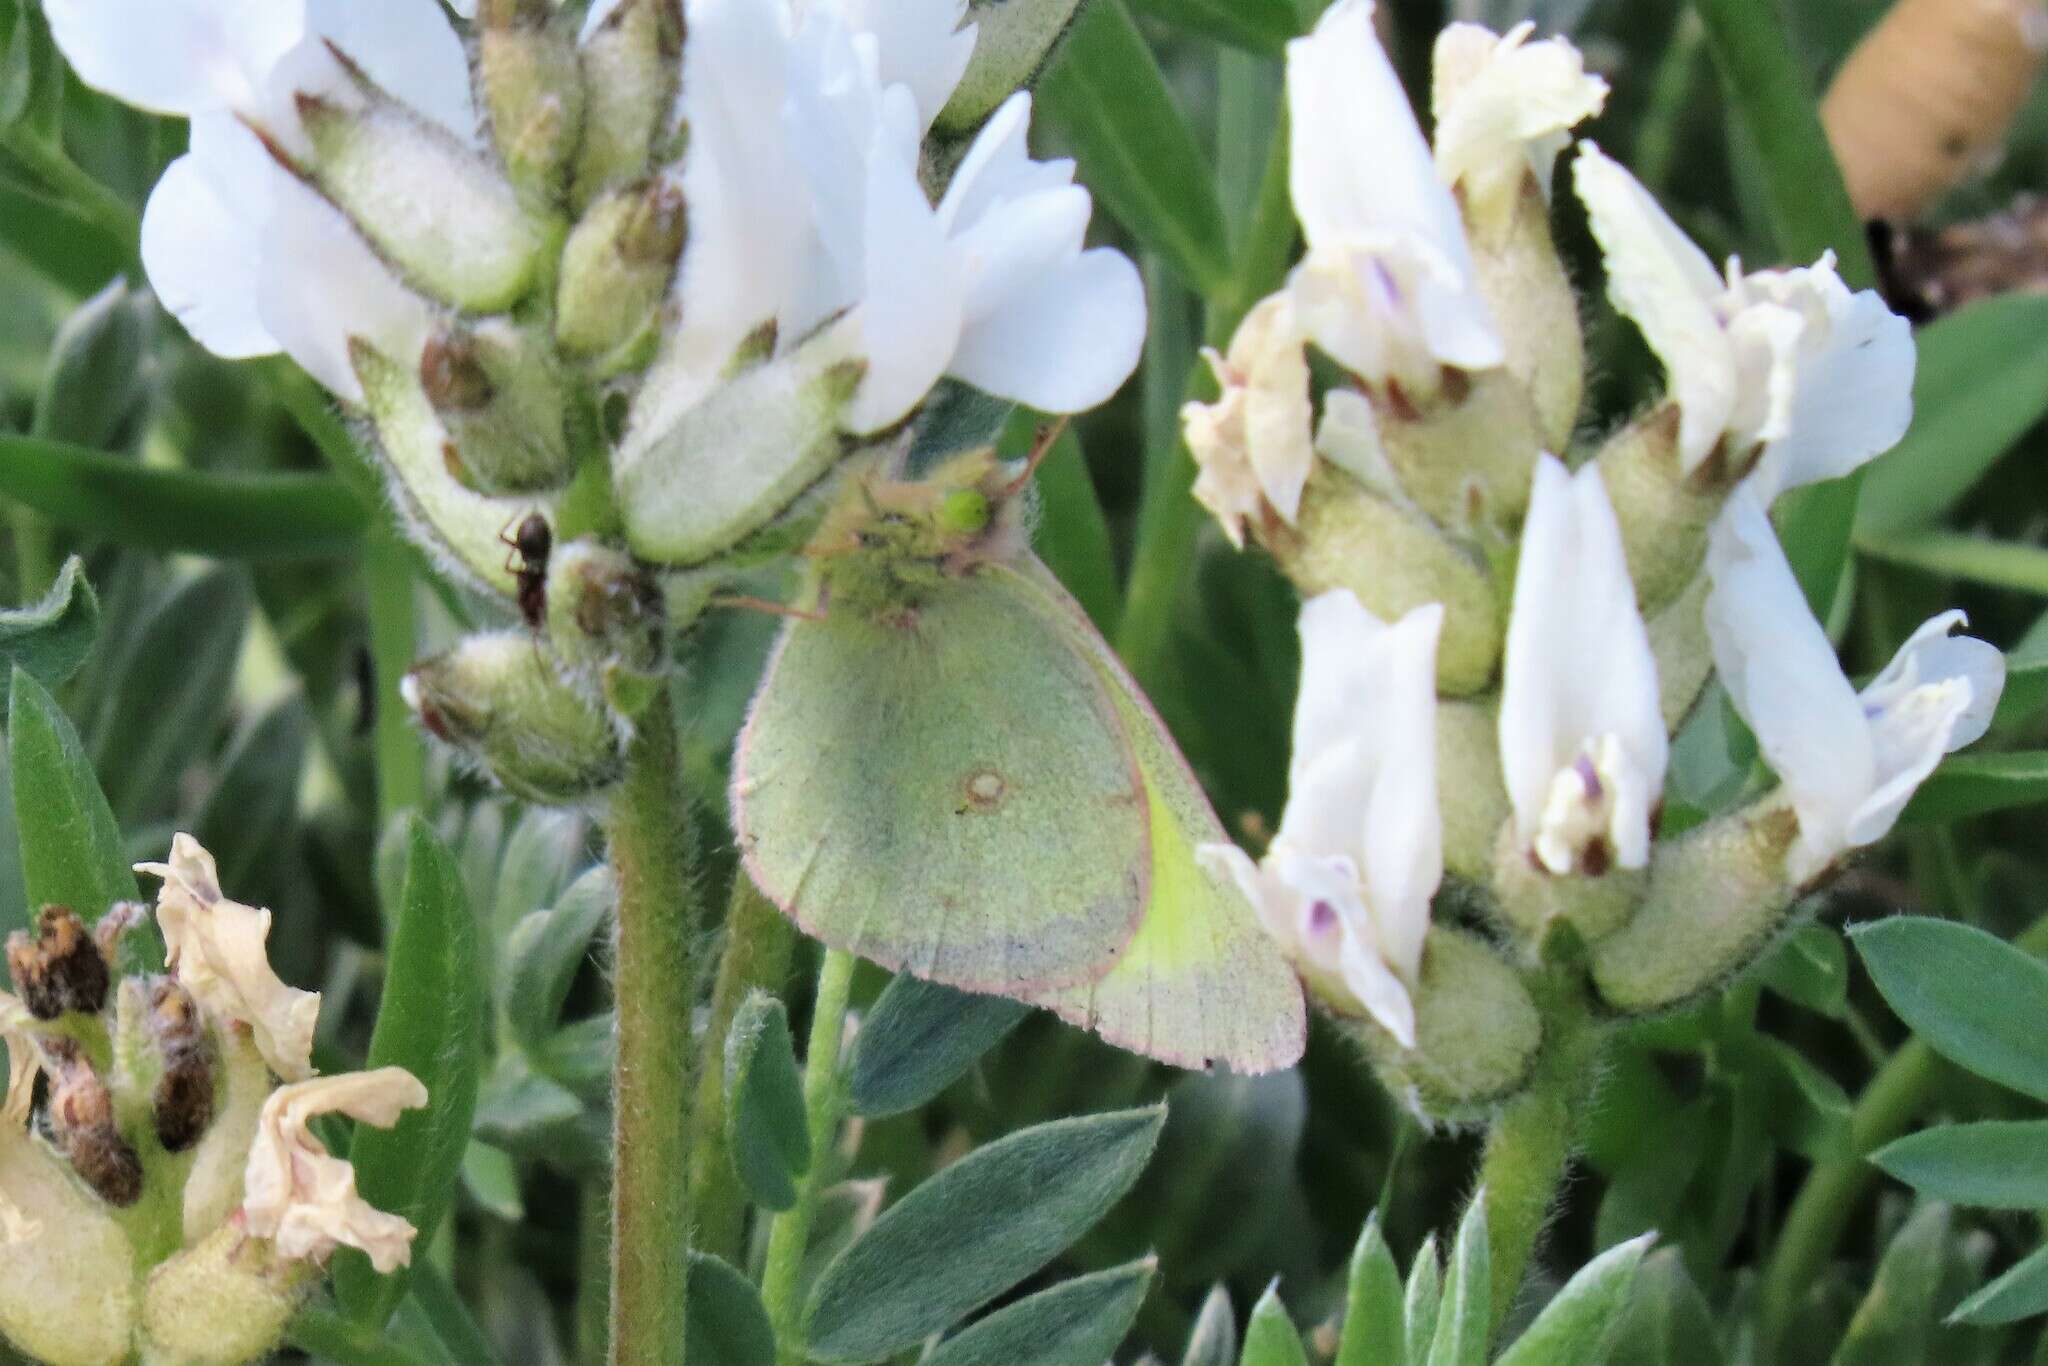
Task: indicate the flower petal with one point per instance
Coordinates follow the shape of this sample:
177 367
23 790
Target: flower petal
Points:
1664 284
176 56
909 317
1853 402
921 46
200 253
215 947
1065 346
298 1195
1782 675
1502 105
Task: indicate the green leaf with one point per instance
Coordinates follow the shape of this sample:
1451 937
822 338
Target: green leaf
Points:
1013 38
1076 1323
1977 784
1374 1332
1072 536
544 952
450 1318
1422 1300
96 388
765 1123
1811 968
1466 1318
1214 1339
1993 1164
1107 95
1975 999
2016 565
1261 26
1271 1339
31 73
249 814
2020 1293
1577 1327
1810 1108
53 637
149 507
431 1023
726 1324
1895 1320
71 850
918 1039
172 684
322 1333
1668 1322
492 1180
973 1231
1982 383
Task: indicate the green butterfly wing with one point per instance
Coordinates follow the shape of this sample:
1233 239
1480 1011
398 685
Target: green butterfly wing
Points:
945 787
1201 982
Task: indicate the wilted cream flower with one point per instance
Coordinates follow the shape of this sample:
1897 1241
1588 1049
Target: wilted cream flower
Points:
216 950
302 1197
23 1061
1254 443
1504 107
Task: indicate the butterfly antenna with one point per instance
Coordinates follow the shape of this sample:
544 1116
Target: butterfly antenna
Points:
748 603
1048 437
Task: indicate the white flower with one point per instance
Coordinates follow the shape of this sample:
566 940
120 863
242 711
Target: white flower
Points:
1254 444
1503 106
238 249
1790 360
303 1198
806 209
216 951
1848 763
1346 886
1387 285
1582 740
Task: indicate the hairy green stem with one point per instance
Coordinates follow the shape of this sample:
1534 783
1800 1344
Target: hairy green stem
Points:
790 1235
759 941
593 1271
653 984
1529 1149
1899 1092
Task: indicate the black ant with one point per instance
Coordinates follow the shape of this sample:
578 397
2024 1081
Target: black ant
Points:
531 544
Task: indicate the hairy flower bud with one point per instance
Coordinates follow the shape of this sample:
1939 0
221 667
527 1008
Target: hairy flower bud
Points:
1466 455
1526 285
616 268
1473 795
603 609
60 969
1477 1032
501 397
630 63
532 87
1664 512
1595 901
1715 896
498 699
439 211
67 1284
1347 536
1685 656
693 484
223 1302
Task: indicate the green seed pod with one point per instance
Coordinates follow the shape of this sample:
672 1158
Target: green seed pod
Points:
502 400
1477 1032
441 213
498 699
1466 455
67 1288
1347 536
1664 512
630 65
223 1302
616 269
1716 897
532 87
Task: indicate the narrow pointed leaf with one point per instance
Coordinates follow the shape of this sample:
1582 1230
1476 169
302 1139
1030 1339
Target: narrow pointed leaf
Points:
918 1040
1978 784
1214 1340
1577 1327
431 1023
1374 1332
544 952
1466 1317
1896 1319
765 1125
973 1231
2020 1293
1975 999
1992 1164
1422 1300
1076 1323
1271 1339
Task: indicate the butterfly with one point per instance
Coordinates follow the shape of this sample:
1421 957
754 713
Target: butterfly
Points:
946 770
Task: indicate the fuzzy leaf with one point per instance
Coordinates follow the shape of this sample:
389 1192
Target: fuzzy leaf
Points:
1466 1318
726 1323
973 1231
52 638
1422 1300
1075 1323
1577 1327
765 1122
1214 1339
1374 1332
1896 1318
2020 1293
1976 999
919 1038
1271 1339
544 952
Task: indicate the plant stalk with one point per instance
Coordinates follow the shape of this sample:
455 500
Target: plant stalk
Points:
759 941
653 984
790 1235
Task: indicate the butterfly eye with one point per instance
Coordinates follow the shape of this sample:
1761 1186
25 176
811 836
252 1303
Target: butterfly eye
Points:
964 511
